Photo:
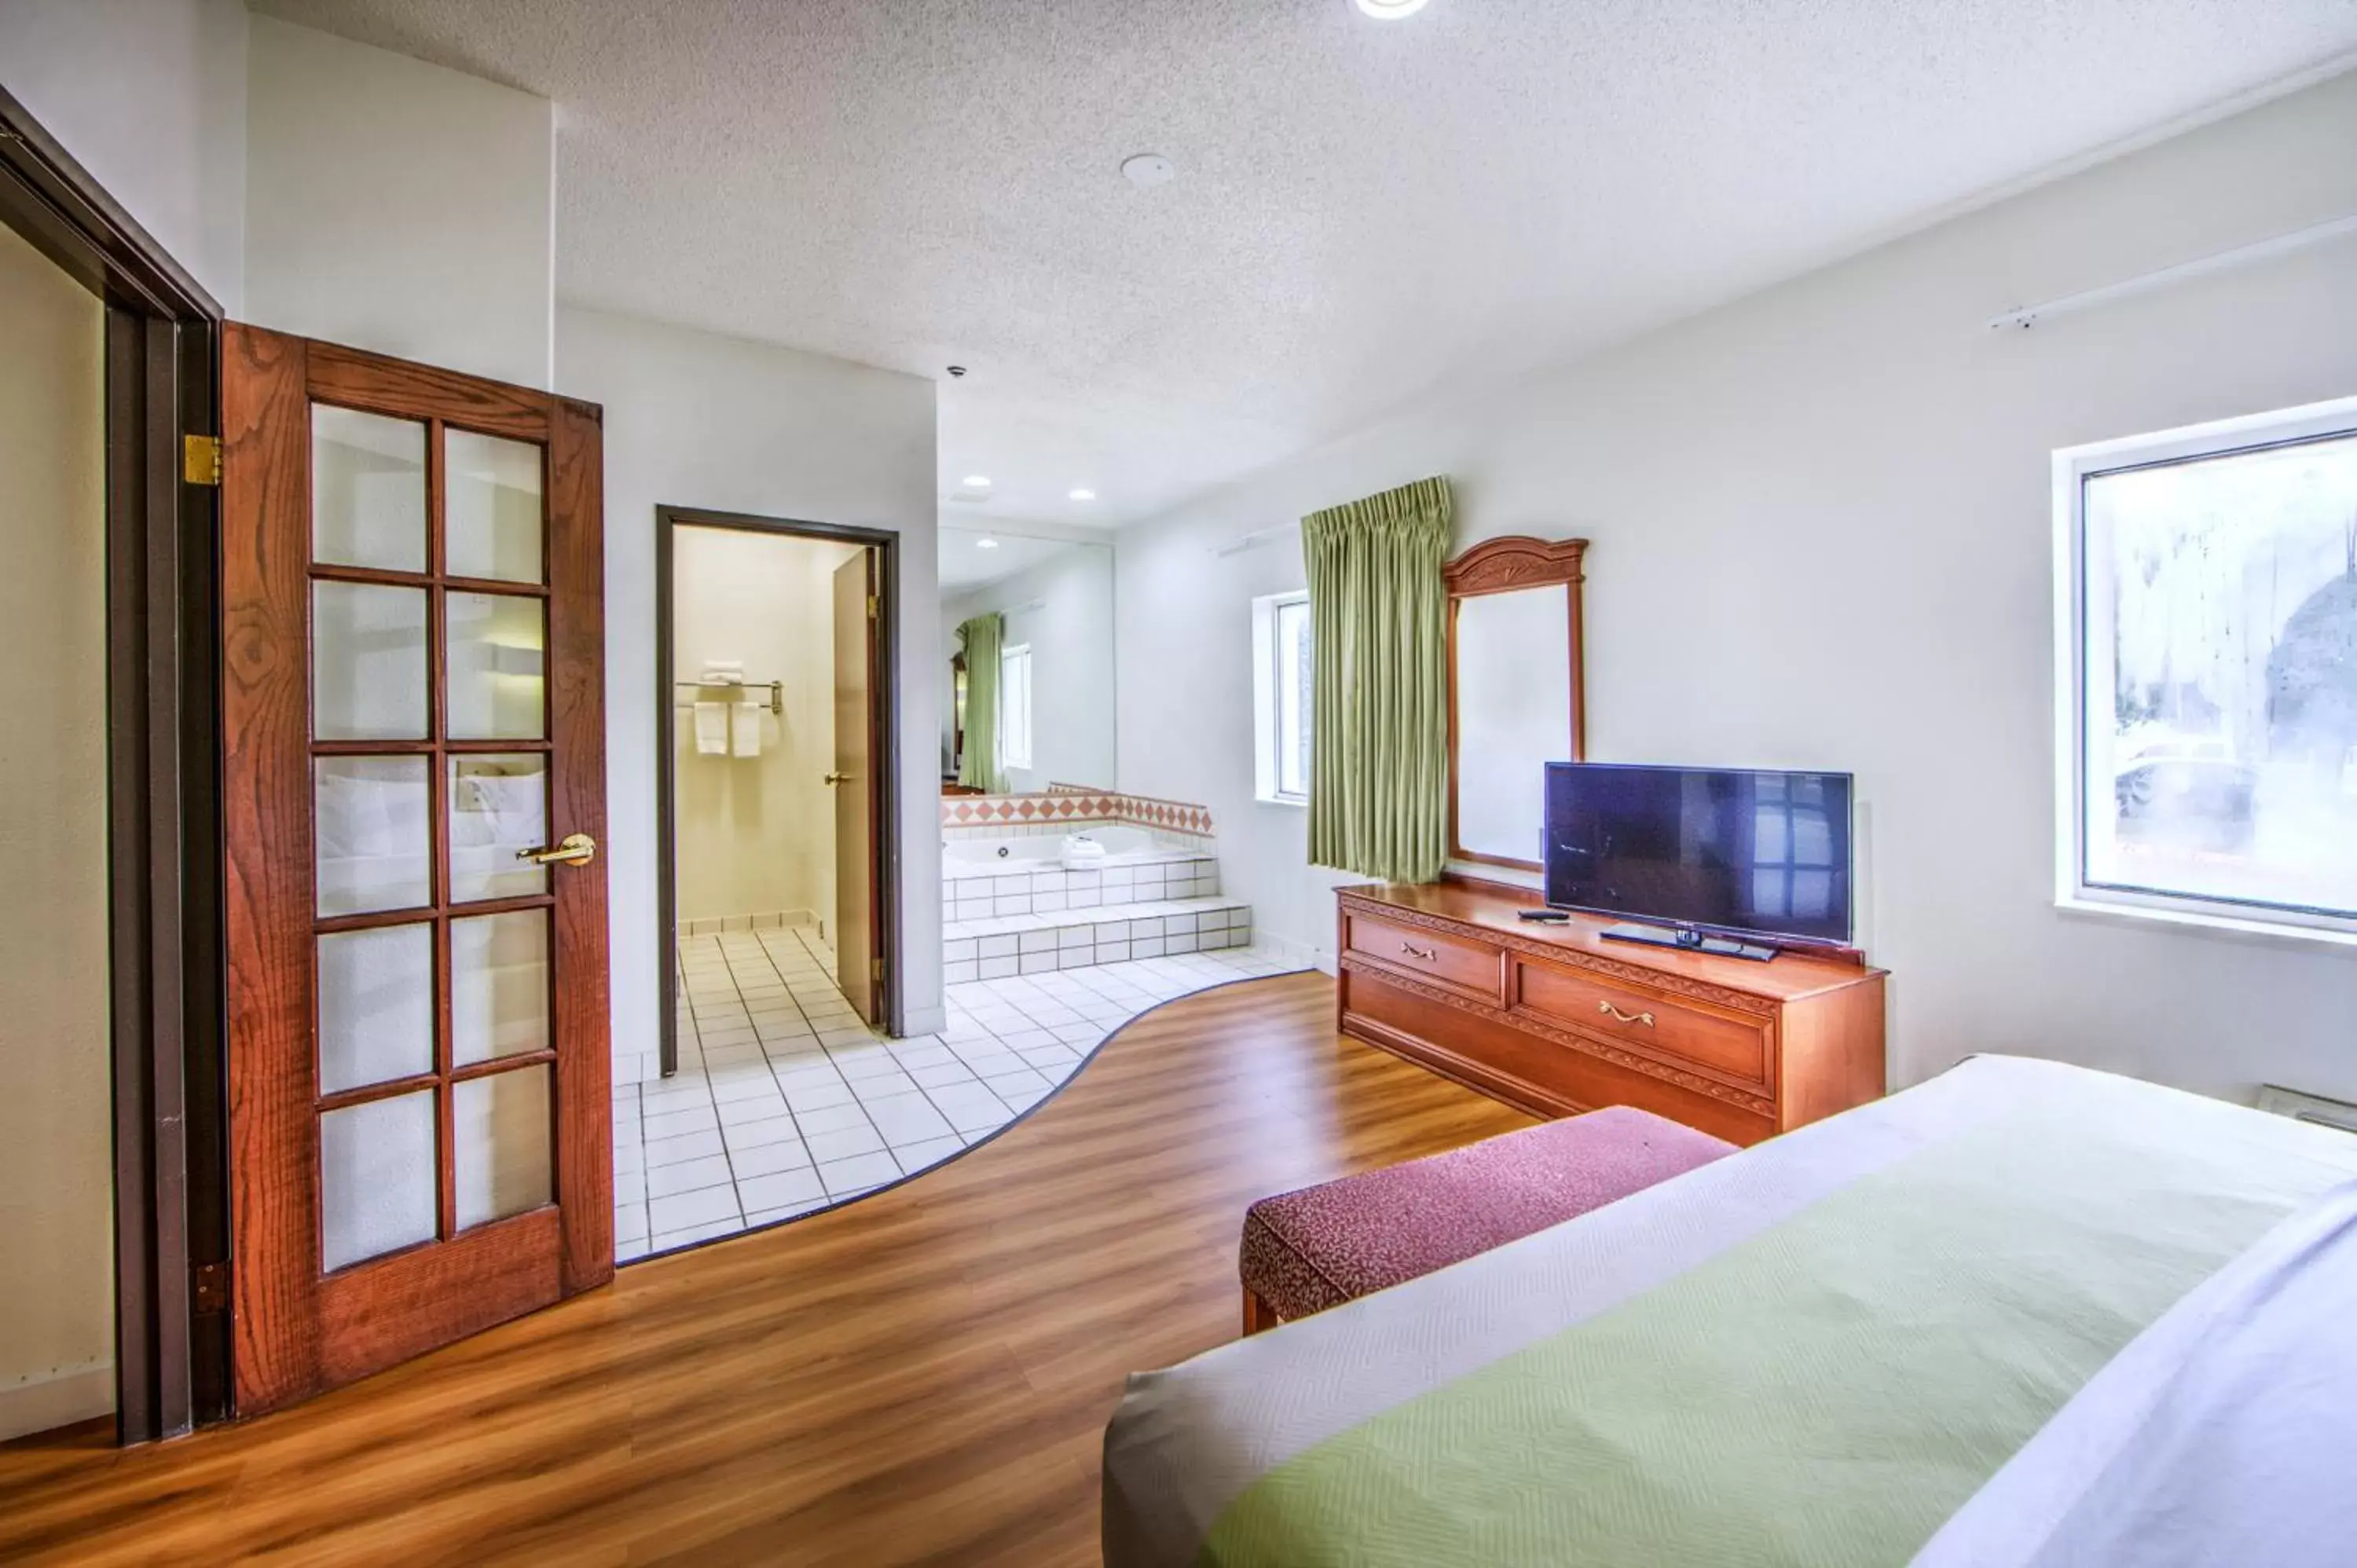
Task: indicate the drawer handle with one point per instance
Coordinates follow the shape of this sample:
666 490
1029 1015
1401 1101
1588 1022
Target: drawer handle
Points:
1428 954
1617 1017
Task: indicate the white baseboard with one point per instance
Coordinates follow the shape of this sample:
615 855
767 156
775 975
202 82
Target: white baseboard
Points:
926 1021
1285 950
57 1398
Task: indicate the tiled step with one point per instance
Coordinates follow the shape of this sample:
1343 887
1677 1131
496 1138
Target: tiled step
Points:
1043 887
1035 943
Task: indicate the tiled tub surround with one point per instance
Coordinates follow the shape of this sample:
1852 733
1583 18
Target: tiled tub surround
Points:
978 889
1025 915
1068 805
786 1104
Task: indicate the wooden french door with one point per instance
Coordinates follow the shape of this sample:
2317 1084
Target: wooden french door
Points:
858 793
414 732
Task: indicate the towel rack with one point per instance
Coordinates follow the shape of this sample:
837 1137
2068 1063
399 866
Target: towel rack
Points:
777 689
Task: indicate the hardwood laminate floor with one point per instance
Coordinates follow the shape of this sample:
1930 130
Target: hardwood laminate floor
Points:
922 1377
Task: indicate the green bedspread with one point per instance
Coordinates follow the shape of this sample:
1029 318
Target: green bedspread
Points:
1928 1318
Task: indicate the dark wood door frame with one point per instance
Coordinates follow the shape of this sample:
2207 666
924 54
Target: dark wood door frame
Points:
887 791
163 349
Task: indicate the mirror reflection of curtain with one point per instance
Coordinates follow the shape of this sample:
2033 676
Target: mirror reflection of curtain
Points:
1379 764
978 767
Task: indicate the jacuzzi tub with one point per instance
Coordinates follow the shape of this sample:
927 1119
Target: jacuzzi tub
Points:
1041 851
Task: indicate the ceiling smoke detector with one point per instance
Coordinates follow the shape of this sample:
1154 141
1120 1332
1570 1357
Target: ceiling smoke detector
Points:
1083 495
1391 10
1146 170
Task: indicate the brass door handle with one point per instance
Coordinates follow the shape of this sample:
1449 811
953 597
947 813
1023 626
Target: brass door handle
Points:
1617 1017
578 849
1415 952
840 778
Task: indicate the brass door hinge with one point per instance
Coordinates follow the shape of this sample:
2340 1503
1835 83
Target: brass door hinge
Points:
212 1288
201 459
871 606
876 971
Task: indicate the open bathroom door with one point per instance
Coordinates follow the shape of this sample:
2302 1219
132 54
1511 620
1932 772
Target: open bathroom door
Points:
858 949
413 713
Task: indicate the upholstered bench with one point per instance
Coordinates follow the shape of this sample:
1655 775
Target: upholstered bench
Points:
1303 1252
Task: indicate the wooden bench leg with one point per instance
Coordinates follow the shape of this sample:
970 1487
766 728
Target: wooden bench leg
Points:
1257 1316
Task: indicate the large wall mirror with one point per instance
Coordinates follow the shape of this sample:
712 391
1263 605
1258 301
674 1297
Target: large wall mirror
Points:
1049 680
1515 700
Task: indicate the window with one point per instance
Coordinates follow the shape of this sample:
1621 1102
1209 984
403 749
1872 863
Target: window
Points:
1284 651
1014 705
2207 613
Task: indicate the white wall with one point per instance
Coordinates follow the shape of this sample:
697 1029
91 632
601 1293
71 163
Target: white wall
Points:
57 1168
149 96
1062 608
755 835
398 206
1821 530
725 425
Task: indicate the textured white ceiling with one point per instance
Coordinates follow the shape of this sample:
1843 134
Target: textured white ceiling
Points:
966 563
1362 211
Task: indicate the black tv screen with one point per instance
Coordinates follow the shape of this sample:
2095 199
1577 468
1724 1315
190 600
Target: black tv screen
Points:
1715 849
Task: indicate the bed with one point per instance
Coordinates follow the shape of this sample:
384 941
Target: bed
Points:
2025 1314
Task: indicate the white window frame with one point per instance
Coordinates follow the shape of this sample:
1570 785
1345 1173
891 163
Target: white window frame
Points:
1009 729
2074 466
1267 713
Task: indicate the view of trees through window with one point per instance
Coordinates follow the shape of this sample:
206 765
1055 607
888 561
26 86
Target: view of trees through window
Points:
2221 677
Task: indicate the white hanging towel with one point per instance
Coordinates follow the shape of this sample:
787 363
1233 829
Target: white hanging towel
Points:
711 728
745 729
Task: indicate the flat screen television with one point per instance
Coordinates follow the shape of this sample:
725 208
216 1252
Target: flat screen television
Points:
1702 850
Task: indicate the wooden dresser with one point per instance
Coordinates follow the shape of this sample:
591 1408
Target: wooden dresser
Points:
1557 1020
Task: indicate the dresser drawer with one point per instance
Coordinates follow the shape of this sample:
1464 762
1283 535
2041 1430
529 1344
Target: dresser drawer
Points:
1729 1047
1468 965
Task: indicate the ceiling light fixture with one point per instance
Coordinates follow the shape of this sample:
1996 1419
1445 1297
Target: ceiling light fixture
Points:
986 544
976 481
1085 495
1390 10
1145 169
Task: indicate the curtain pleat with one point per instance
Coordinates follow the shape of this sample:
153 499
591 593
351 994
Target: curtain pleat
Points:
978 768
1378 607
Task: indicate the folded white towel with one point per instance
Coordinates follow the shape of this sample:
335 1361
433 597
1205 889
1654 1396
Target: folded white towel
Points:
711 728
745 729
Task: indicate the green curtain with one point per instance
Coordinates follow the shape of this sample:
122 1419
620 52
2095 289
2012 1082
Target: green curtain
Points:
1378 762
978 768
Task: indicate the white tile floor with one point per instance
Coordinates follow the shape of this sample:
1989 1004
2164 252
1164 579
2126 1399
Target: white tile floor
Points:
785 1103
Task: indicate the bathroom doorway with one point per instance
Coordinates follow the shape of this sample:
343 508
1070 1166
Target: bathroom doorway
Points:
777 783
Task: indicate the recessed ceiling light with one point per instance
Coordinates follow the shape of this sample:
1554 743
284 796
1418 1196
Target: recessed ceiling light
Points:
1085 495
1390 10
986 544
1145 169
976 481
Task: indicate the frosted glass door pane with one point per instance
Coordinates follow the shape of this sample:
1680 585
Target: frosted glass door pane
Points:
499 1144
499 986
368 490
493 507
376 1179
373 834
498 805
367 662
497 691
376 1005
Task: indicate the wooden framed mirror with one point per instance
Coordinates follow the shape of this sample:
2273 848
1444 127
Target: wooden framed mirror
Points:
1515 696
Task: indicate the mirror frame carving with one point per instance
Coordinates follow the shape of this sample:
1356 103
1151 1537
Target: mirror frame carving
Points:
1509 564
